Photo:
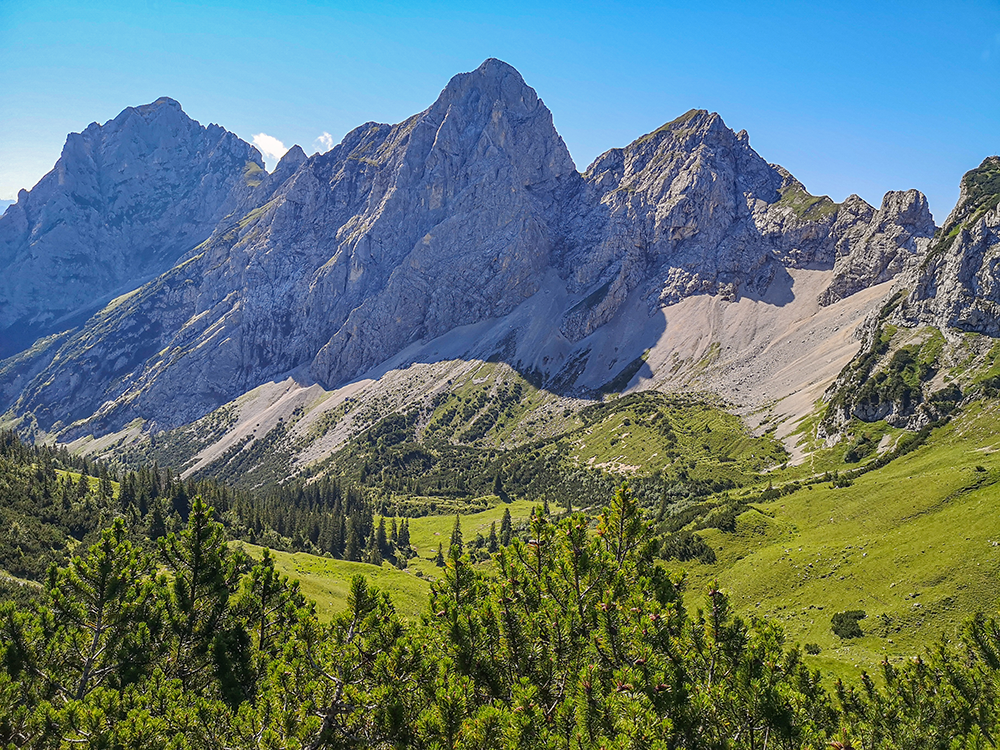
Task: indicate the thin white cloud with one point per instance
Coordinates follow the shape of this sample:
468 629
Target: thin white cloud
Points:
269 146
324 142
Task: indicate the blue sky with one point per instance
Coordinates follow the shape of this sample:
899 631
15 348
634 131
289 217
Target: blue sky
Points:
850 96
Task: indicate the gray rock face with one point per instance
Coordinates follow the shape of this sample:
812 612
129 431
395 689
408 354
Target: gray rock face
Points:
955 285
875 246
125 200
950 283
688 209
960 287
336 262
455 228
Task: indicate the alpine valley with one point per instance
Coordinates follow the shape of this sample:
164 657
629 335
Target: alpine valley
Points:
446 317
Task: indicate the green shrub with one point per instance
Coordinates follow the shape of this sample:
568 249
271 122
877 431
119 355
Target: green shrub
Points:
847 624
685 546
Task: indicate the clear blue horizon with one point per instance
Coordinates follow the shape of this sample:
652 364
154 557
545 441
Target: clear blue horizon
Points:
851 97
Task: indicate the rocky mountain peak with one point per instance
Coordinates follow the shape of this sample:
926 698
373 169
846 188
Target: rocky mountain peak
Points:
293 157
955 285
493 81
163 103
490 112
677 210
123 202
466 214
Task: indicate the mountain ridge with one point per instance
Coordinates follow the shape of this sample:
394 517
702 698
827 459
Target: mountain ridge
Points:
460 217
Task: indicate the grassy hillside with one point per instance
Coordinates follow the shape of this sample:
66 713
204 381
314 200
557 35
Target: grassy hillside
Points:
327 581
913 544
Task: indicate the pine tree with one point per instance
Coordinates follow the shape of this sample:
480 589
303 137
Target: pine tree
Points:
157 524
106 489
456 538
439 558
179 501
394 533
381 541
269 603
205 572
506 528
492 543
372 554
101 602
403 543
352 545
126 492
498 487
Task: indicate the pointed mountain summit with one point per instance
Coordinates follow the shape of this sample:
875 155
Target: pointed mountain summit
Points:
399 233
124 201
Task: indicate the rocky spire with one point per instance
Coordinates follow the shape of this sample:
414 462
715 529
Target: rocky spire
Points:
877 249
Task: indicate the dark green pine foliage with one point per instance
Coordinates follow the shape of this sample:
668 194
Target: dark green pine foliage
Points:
382 540
456 546
580 640
577 639
372 554
96 625
403 543
506 528
354 543
204 573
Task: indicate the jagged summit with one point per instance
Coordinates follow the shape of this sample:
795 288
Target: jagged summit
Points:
955 286
493 76
979 192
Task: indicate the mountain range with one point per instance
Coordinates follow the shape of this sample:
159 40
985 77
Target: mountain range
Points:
160 282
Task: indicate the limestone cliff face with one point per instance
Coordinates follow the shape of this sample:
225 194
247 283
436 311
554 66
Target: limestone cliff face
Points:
456 226
334 263
693 209
673 208
880 245
124 201
948 286
400 232
956 284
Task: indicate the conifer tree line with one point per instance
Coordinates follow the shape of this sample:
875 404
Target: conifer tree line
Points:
51 500
577 639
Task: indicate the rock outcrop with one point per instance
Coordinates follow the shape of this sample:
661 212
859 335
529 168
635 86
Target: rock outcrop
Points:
688 209
906 370
876 246
123 203
956 284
